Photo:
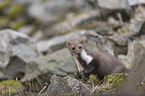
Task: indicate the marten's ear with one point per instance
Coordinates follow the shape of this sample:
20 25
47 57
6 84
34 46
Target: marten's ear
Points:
82 41
68 43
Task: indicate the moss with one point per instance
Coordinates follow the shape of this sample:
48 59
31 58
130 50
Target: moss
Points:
110 83
142 86
93 80
16 11
4 4
114 80
4 20
123 30
18 24
11 86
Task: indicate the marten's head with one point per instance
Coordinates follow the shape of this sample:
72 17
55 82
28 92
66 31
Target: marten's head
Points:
75 46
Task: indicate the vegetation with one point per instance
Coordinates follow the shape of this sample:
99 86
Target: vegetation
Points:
10 87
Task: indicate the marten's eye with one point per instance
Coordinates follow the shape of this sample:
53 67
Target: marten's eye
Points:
80 47
73 48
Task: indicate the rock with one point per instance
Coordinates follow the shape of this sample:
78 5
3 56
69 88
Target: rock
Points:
5 49
26 2
57 42
8 36
138 19
139 52
140 33
130 86
50 11
26 29
38 36
129 60
135 2
113 4
60 63
72 22
125 61
67 86
119 44
97 42
15 50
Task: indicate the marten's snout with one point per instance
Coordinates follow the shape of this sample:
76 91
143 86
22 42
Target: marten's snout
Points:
77 49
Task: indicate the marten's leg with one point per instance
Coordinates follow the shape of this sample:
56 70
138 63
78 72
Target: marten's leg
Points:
85 76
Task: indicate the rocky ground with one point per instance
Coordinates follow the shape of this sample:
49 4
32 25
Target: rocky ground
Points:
34 58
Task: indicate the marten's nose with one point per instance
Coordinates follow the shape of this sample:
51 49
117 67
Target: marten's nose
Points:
77 51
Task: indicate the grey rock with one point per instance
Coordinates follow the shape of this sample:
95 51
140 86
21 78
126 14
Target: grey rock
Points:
60 63
15 68
120 42
26 29
26 51
138 19
113 4
27 2
6 48
57 42
38 36
49 11
72 22
135 2
132 54
15 50
98 42
67 86
129 87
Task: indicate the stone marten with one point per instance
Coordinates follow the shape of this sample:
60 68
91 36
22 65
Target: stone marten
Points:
97 63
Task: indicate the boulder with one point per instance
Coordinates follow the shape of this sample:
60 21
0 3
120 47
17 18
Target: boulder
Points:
113 4
130 86
60 63
67 86
133 55
72 22
15 51
50 11
57 42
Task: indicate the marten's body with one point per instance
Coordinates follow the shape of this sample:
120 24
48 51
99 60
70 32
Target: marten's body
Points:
97 63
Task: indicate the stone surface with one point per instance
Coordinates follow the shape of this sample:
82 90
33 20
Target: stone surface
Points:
113 4
49 11
130 85
67 86
15 50
132 54
7 37
135 2
57 42
60 63
72 22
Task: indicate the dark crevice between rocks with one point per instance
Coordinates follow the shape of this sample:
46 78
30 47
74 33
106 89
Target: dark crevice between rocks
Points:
125 14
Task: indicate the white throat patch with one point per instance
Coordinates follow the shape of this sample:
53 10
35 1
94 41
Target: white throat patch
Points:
86 57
